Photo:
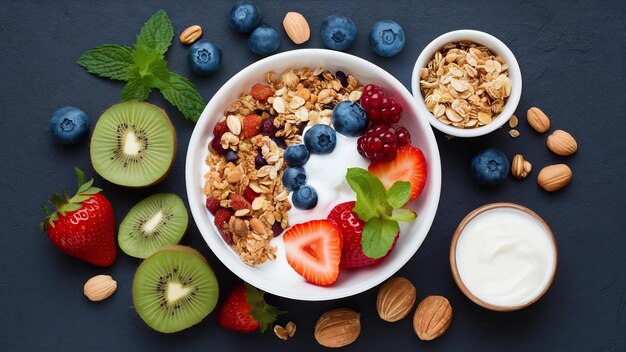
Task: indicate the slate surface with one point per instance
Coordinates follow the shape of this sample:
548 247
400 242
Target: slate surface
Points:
572 59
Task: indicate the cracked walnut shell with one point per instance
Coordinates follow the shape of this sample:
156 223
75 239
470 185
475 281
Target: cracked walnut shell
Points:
432 317
520 168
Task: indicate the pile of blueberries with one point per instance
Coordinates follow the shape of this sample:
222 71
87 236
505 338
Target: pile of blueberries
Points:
349 119
337 32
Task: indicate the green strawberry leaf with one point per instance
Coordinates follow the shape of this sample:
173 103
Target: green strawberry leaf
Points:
378 236
262 312
181 93
370 194
399 193
64 204
108 61
157 33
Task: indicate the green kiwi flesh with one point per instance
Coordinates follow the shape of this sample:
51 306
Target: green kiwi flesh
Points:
174 290
155 222
133 144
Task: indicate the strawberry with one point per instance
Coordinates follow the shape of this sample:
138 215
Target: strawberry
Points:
313 250
251 125
222 216
219 129
261 92
409 165
351 228
245 310
238 202
249 194
83 226
212 204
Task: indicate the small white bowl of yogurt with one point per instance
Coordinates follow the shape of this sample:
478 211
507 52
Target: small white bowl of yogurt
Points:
503 256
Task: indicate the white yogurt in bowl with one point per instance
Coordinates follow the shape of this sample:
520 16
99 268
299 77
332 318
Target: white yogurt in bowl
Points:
327 174
503 256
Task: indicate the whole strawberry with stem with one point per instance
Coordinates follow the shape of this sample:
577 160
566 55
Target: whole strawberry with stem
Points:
83 225
245 310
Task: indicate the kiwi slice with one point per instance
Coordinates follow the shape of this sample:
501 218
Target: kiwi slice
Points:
156 221
174 289
133 144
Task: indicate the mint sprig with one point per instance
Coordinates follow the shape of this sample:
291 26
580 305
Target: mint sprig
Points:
144 67
381 210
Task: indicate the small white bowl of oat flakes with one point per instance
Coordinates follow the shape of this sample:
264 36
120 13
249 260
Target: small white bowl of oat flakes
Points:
468 83
255 254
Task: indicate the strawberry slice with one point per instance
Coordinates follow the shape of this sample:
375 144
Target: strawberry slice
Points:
409 165
313 250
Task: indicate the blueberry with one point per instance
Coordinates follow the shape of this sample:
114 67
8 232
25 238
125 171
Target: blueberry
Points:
231 155
338 32
204 57
386 38
294 178
264 40
296 155
349 118
490 167
268 128
279 142
277 229
304 198
69 125
259 161
245 16
320 139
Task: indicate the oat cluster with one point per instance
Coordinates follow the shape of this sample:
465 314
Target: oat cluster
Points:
465 85
300 97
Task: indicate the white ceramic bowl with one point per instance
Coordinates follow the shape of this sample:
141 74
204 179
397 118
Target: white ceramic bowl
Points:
497 47
278 277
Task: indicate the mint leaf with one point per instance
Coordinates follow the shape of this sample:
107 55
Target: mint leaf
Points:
108 60
157 33
135 89
378 236
399 193
180 92
371 199
404 215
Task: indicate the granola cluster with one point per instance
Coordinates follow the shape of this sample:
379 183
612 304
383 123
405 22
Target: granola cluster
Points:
298 98
465 85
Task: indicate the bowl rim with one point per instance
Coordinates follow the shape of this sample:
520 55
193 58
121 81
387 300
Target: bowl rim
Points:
455 270
495 45
427 215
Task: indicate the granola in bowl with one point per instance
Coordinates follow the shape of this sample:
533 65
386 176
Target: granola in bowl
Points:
246 154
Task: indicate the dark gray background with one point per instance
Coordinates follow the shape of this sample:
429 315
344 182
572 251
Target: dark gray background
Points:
572 60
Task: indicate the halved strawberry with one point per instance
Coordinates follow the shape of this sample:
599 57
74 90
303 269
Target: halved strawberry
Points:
313 250
409 165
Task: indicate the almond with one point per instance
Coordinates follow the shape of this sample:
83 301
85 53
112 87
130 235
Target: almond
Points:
395 299
297 27
554 177
338 327
191 34
432 317
99 287
562 143
538 120
520 168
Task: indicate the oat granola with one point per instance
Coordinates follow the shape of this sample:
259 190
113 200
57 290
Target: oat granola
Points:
300 98
465 85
